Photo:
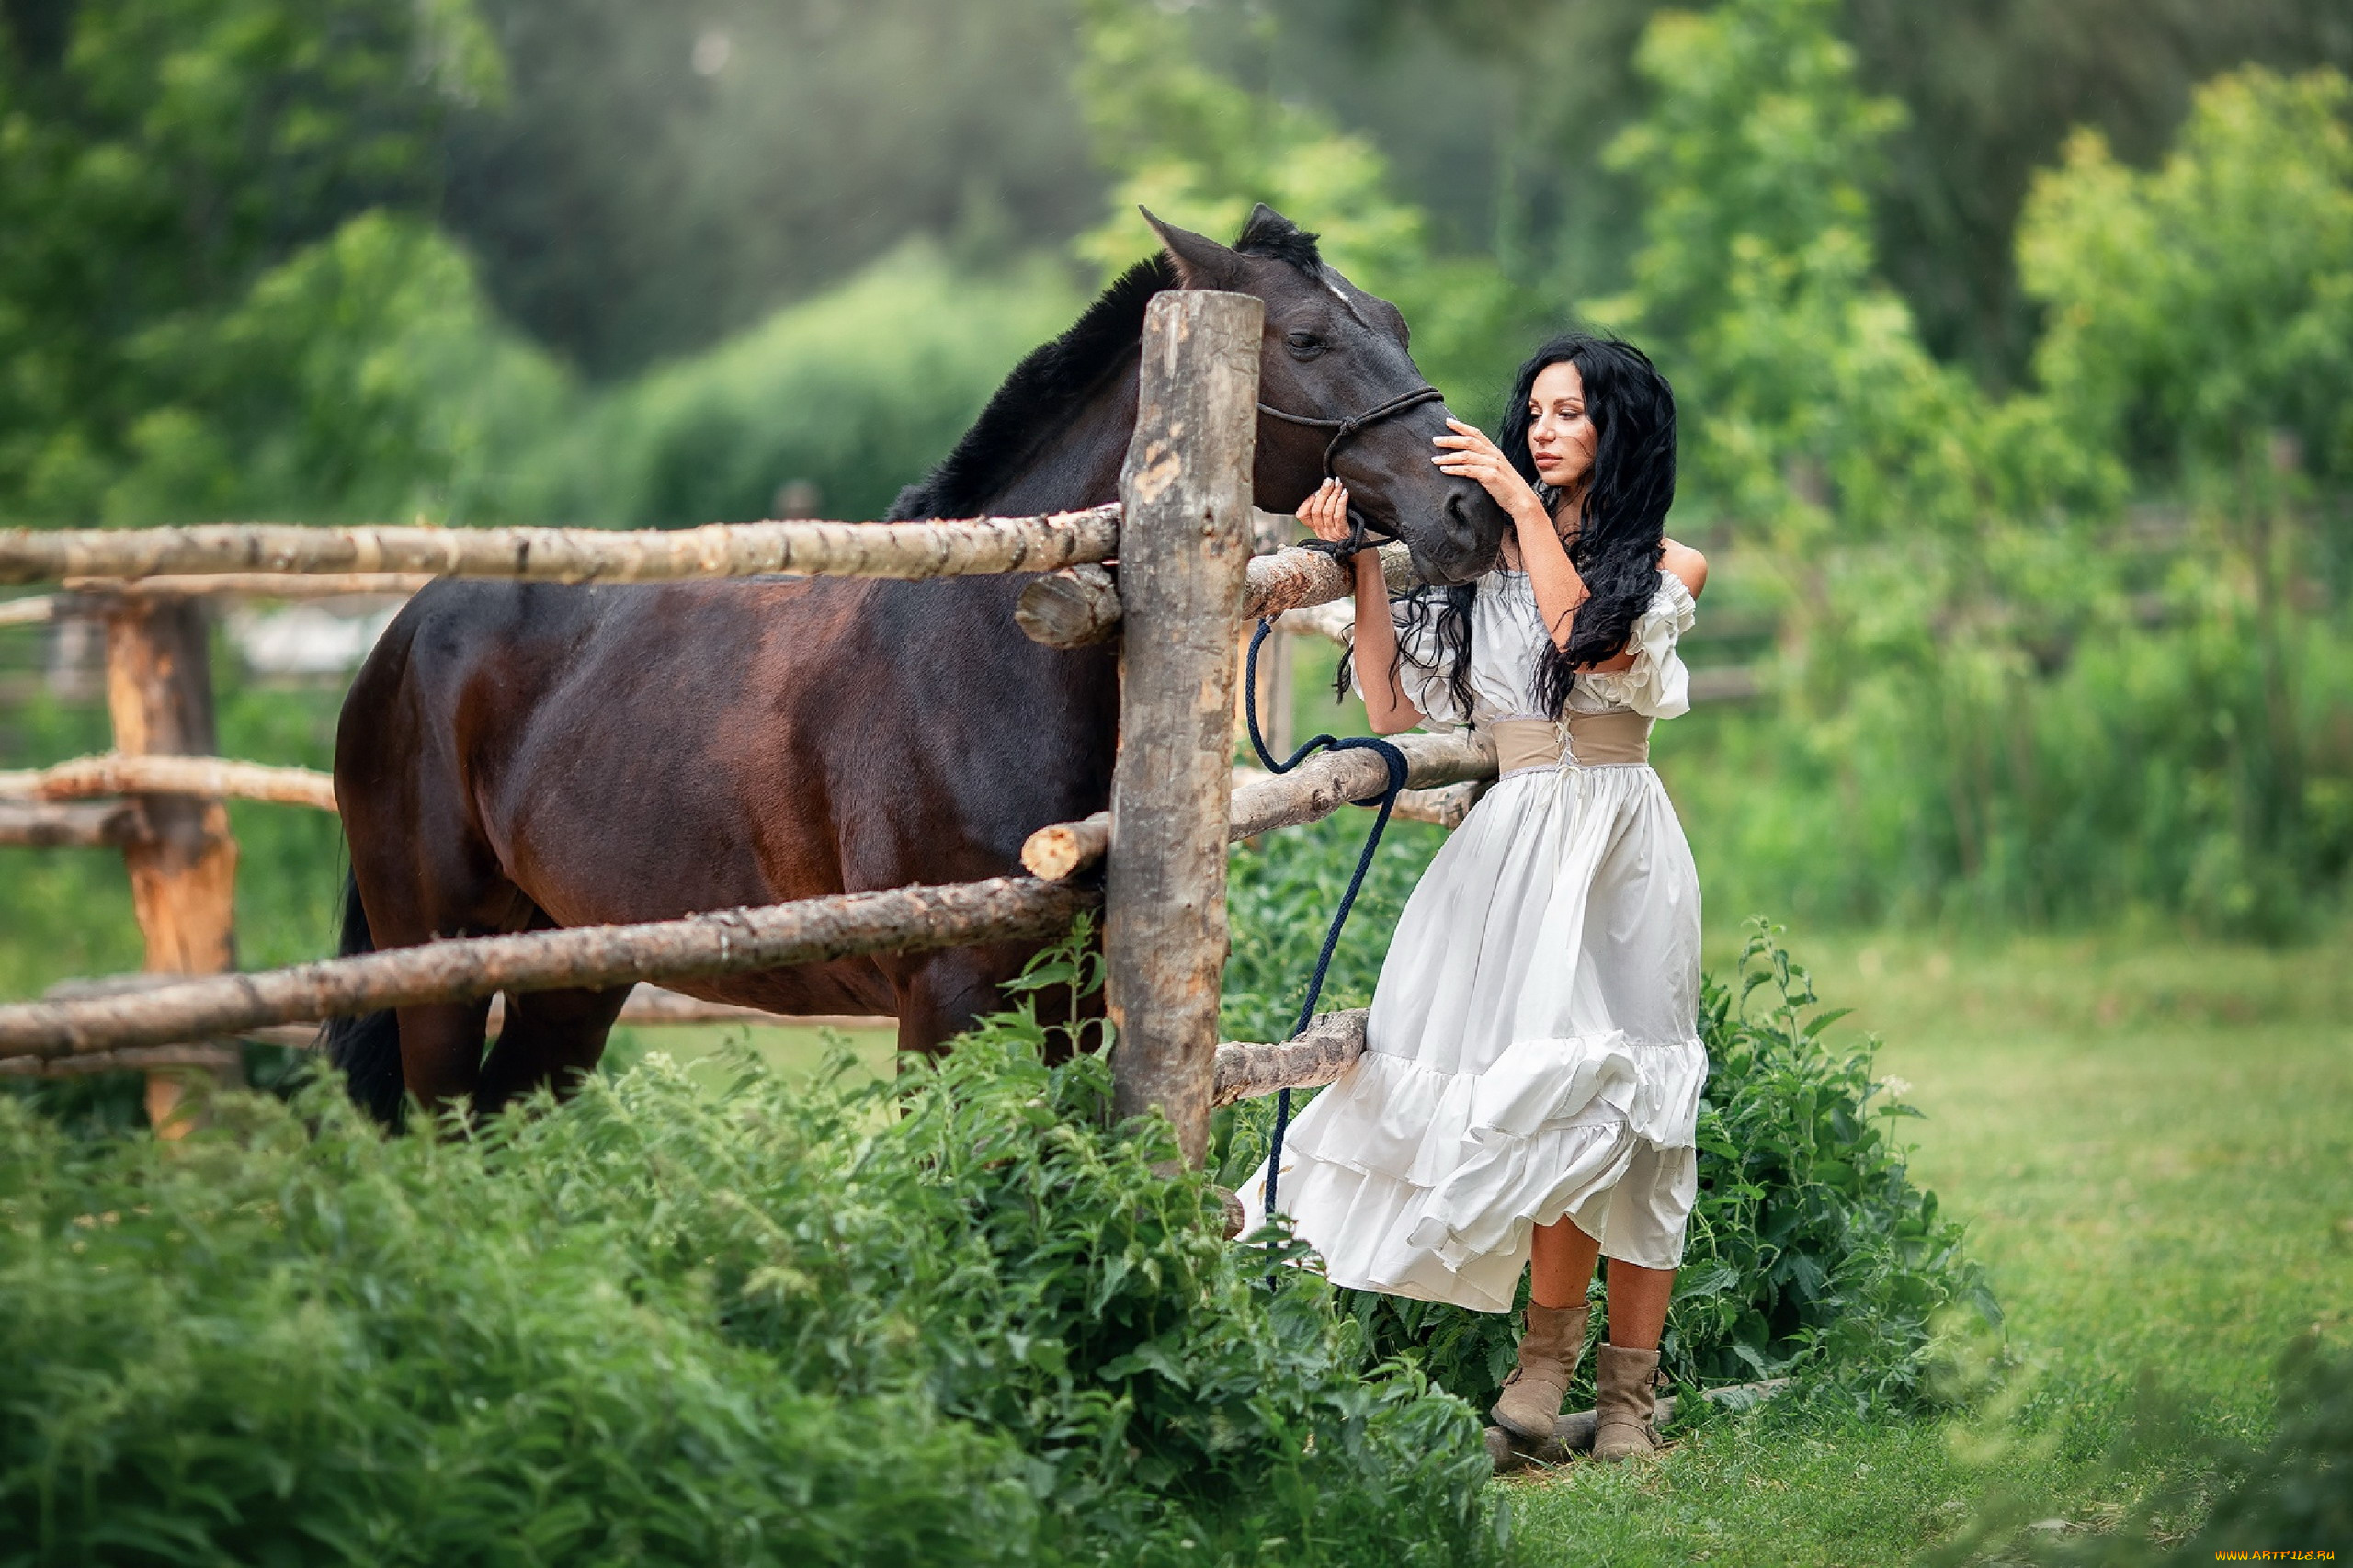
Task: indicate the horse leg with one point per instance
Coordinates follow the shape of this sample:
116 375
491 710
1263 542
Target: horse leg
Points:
939 999
441 1046
942 998
421 875
552 1038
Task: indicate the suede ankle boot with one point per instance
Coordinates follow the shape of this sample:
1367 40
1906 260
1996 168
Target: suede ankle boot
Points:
1625 1394
1549 1349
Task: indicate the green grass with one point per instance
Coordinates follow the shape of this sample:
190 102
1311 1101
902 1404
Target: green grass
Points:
2150 1141
794 1050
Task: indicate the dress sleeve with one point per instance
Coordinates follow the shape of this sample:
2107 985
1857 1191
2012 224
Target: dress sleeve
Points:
1425 669
1658 685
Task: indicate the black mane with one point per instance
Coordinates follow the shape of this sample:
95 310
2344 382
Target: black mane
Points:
1270 234
1037 398
1045 388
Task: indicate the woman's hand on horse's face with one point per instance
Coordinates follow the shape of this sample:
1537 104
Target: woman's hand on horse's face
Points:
1326 512
1472 456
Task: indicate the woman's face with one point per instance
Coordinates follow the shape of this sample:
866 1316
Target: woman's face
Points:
1560 431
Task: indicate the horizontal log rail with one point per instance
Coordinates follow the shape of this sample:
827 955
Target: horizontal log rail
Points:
648 1007
1296 577
1314 789
1336 619
1044 543
211 1057
1446 807
729 941
251 585
1074 608
152 773
79 824
1320 1053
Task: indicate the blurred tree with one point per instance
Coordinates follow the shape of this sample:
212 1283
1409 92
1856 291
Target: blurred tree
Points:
2201 323
366 377
2201 313
1198 147
839 399
156 156
660 176
1991 88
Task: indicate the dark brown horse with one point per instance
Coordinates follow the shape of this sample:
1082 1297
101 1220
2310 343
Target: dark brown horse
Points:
524 755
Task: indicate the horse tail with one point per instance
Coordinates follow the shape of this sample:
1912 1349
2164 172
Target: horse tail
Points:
365 1049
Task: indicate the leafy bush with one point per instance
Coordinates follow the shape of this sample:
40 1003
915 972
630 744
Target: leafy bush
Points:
1811 1251
958 1320
857 391
365 376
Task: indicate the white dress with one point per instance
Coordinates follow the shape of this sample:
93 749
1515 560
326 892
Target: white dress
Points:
1534 1047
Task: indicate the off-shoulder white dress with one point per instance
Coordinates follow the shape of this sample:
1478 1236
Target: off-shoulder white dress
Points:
1534 1047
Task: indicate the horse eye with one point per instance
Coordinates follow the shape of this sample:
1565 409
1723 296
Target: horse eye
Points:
1306 345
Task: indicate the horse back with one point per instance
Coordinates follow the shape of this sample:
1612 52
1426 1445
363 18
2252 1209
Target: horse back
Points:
645 751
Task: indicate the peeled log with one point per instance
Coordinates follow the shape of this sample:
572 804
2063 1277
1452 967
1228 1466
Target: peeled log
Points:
224 1060
256 584
648 1005
154 773
729 941
1334 620
1444 808
1066 614
1320 1054
1291 578
573 555
1060 850
1313 791
1183 566
34 824
1069 609
1325 783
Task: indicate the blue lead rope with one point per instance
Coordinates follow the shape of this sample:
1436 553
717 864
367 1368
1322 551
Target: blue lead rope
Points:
1388 799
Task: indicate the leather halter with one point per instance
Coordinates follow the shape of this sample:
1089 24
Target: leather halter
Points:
1342 429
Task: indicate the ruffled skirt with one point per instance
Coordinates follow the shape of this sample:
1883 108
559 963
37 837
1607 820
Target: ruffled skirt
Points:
1532 1052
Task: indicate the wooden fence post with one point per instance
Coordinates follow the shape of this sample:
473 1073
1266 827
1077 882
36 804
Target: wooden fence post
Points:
1184 549
183 863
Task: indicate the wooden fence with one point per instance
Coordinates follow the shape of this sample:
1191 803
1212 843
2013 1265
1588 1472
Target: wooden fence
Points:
1186 583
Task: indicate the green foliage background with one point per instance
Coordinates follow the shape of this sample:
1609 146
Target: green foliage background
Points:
2052 632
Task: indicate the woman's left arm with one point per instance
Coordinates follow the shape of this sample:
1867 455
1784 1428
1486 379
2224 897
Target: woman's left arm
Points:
1688 565
1558 588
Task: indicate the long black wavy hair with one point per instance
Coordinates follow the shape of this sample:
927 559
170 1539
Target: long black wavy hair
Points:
1621 533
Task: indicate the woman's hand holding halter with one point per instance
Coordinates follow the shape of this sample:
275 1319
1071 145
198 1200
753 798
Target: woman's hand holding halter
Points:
1386 706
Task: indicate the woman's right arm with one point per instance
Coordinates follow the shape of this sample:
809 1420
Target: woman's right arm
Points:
1386 706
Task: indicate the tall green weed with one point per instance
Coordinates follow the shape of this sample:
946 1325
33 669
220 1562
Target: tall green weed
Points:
962 1319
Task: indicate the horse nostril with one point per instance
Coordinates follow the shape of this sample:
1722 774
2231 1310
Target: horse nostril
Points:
1459 525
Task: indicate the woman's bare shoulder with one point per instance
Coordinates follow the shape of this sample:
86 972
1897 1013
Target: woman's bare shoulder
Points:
1687 563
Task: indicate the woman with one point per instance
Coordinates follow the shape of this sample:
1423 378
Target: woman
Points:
1532 1068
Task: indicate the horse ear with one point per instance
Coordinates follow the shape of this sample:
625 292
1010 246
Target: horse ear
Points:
1200 261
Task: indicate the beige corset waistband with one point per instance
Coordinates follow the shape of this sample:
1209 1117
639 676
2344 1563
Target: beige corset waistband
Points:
1594 740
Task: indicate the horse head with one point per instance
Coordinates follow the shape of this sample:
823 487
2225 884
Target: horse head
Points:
1333 354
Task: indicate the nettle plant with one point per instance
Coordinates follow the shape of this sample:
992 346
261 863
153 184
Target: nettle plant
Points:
957 1318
